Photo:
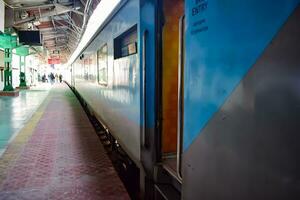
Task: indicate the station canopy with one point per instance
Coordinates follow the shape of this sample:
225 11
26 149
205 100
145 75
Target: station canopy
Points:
60 24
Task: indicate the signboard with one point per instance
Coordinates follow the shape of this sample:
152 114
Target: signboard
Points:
132 48
22 51
53 61
2 16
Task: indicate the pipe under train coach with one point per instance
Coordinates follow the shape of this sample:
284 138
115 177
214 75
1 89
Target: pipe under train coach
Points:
203 96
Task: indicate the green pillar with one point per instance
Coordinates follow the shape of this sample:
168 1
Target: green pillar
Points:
8 70
22 71
22 51
8 42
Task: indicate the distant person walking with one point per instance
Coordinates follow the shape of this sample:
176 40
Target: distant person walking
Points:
44 78
60 78
56 78
52 78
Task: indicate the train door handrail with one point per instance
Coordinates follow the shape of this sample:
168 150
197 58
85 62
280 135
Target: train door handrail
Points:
180 96
144 88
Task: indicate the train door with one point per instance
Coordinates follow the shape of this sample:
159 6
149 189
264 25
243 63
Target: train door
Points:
161 51
148 109
170 56
173 12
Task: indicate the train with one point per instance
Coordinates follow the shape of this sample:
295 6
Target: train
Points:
202 96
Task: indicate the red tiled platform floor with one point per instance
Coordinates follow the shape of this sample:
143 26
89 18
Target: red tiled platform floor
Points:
62 159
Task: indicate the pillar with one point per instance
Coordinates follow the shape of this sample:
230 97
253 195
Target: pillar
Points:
8 70
22 72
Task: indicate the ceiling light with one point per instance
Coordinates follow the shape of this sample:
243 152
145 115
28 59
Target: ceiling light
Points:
37 23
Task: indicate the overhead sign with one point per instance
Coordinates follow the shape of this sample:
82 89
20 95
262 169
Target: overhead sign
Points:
53 61
2 16
8 41
22 51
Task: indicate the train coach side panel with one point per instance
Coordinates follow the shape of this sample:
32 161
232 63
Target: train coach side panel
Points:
241 129
116 103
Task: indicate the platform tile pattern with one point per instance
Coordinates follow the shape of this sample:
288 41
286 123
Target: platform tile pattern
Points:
62 159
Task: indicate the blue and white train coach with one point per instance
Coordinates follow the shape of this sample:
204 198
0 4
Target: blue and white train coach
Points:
202 95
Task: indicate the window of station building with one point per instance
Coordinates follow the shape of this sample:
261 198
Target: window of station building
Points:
1 74
102 61
126 44
1 66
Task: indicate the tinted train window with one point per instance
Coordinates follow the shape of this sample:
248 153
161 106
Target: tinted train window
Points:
93 67
86 69
102 55
126 44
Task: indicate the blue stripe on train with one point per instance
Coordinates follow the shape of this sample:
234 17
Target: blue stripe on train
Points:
224 38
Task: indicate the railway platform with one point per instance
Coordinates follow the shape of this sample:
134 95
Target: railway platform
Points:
56 154
16 111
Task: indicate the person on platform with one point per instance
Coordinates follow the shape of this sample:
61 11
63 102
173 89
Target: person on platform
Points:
60 78
52 78
56 78
44 78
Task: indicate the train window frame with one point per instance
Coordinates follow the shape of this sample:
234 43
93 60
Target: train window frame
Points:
104 53
126 44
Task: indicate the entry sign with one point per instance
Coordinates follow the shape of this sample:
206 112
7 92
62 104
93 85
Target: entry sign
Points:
53 61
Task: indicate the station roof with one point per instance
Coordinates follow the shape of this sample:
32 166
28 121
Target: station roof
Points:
61 22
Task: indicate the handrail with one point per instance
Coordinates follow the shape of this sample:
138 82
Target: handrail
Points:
144 88
180 96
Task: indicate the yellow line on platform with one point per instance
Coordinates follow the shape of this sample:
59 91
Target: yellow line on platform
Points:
15 148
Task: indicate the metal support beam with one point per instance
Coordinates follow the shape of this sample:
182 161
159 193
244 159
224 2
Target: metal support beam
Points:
50 37
50 29
85 17
72 23
74 37
56 45
43 6
54 26
45 33
74 31
82 2
58 10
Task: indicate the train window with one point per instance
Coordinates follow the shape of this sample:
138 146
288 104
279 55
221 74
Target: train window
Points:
93 67
102 61
126 44
86 68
